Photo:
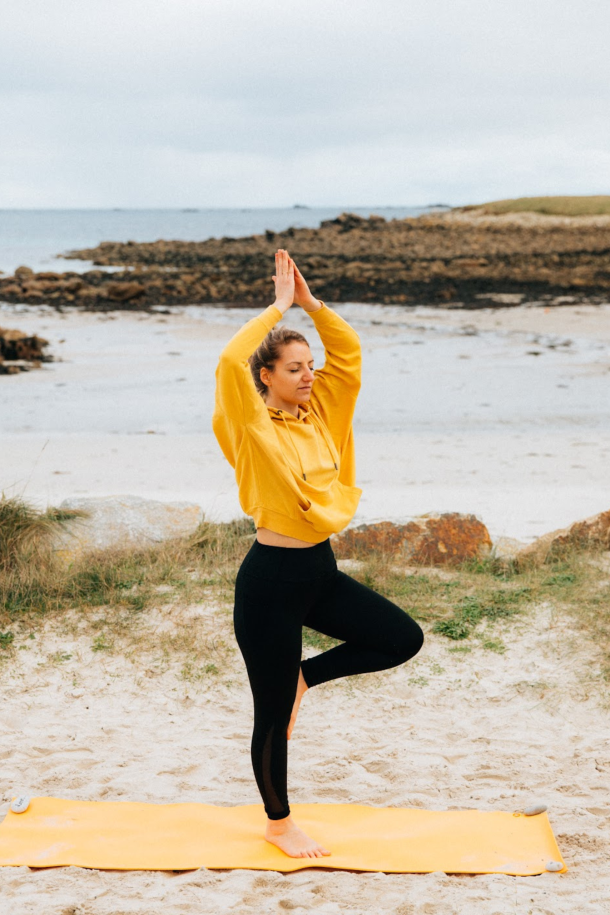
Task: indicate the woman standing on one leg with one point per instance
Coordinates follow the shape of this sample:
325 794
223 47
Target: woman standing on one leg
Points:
287 430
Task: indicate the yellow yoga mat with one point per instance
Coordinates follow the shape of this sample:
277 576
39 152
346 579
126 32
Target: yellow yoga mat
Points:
122 835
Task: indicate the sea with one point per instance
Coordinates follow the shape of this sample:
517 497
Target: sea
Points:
39 238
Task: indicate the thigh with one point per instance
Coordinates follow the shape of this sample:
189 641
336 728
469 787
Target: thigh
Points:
352 612
268 630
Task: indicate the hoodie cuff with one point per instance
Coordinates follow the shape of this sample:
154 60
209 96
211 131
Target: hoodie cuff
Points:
321 314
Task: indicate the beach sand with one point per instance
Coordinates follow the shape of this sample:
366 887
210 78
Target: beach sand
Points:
498 412
449 730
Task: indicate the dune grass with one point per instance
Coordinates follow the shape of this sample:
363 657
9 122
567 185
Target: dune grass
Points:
595 205
172 604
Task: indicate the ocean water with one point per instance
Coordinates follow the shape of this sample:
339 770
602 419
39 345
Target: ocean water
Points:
38 238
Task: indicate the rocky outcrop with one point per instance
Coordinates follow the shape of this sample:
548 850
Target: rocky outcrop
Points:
20 352
123 521
433 539
460 259
593 532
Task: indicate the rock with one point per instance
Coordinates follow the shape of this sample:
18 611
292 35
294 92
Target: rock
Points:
15 366
21 352
346 222
349 565
449 260
123 292
432 539
73 284
23 273
535 810
120 521
592 532
507 548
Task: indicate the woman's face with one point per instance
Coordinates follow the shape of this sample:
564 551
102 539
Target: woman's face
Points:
292 377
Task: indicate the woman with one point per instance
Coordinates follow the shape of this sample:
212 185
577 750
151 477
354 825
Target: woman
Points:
287 431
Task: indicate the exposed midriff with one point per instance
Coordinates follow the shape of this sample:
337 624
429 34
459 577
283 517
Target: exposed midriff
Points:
271 538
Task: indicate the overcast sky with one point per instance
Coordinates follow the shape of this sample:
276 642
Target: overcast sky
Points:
163 103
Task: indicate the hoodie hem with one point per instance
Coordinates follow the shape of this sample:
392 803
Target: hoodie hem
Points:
283 524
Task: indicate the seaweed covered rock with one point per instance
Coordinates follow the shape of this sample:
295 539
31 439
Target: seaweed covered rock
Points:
20 352
455 259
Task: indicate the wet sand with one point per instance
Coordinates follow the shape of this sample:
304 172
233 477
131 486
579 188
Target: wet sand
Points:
499 412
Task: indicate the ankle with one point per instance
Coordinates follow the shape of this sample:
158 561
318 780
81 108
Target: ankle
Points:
279 826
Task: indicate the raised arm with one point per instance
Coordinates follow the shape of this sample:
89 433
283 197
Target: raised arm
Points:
236 394
343 354
237 401
337 383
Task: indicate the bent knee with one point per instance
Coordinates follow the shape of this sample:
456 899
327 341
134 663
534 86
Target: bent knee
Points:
411 642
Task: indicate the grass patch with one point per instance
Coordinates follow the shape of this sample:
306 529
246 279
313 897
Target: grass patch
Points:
472 609
6 639
496 645
101 643
172 603
594 205
486 593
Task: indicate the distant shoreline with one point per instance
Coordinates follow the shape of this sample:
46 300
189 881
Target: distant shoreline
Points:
464 258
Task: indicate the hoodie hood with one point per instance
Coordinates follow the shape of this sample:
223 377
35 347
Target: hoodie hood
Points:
306 415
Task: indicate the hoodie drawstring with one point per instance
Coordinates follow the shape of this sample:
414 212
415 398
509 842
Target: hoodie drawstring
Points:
323 431
320 429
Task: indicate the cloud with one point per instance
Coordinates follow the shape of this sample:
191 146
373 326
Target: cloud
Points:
229 102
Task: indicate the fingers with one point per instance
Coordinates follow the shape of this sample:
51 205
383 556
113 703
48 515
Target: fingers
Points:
283 262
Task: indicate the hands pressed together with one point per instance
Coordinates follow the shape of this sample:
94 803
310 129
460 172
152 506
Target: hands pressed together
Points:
290 285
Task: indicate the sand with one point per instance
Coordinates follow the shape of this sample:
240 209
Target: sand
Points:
499 412
449 730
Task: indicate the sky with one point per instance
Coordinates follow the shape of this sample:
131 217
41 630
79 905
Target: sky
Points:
231 103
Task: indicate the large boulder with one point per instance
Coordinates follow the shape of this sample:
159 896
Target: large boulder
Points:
120 521
593 532
432 539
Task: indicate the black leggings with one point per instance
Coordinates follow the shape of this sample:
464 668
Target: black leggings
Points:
277 591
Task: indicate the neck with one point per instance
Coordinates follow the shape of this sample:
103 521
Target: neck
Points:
283 405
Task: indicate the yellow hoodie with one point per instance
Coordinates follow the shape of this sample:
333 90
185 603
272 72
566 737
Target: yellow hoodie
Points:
295 475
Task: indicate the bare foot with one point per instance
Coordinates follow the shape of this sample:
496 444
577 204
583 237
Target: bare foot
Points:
292 840
301 689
